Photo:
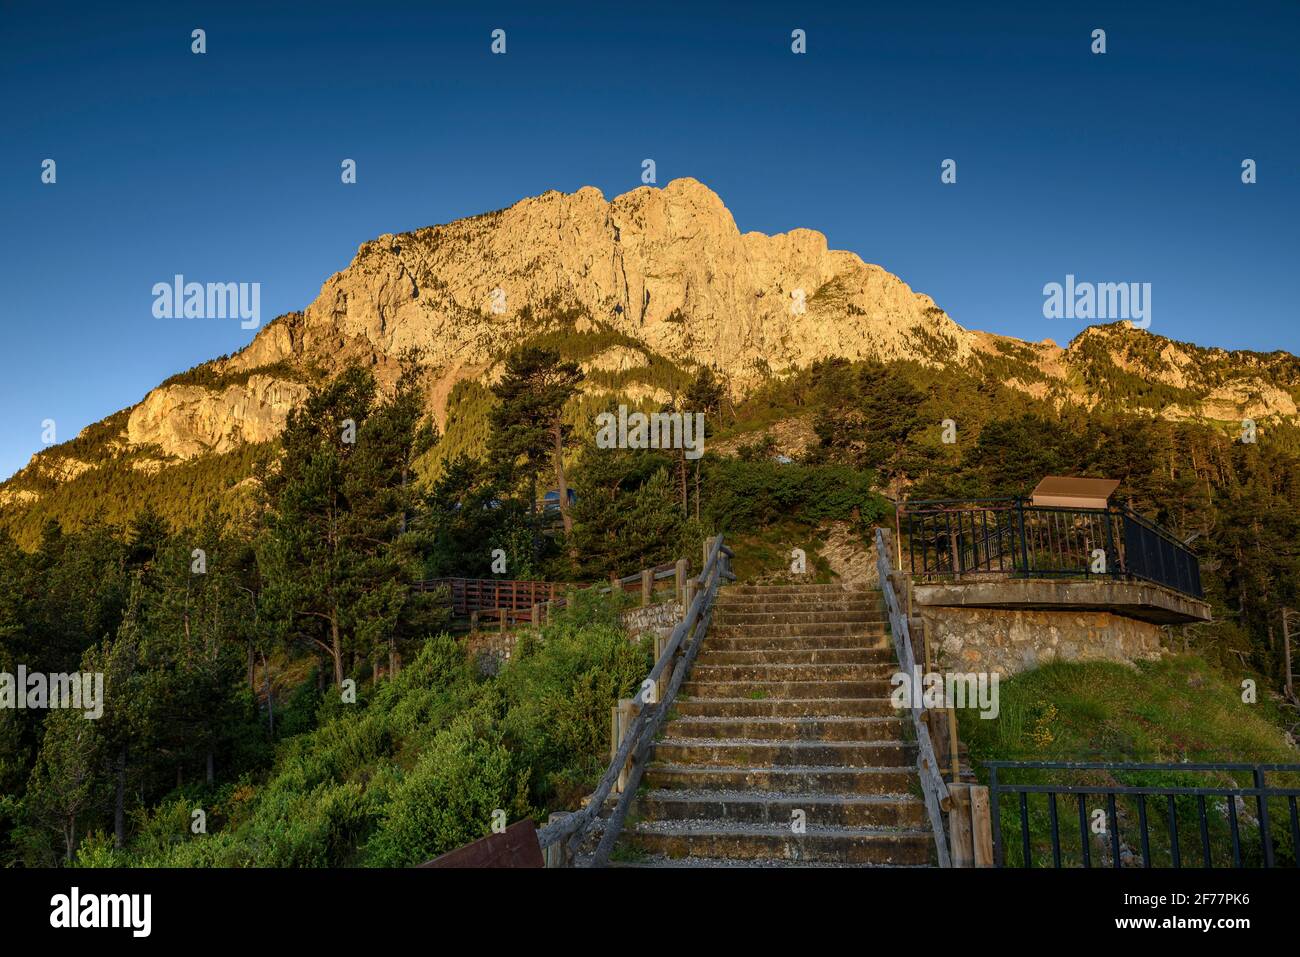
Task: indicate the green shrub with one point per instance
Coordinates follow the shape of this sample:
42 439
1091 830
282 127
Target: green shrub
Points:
746 496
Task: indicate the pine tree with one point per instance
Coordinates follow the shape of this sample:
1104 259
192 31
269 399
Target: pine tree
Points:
528 427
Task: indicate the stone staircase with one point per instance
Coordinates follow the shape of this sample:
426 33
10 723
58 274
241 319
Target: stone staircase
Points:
786 709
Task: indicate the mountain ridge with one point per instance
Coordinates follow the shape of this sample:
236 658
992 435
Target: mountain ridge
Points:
653 273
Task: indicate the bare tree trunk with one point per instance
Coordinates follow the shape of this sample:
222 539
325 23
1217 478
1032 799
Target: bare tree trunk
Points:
681 472
270 696
336 641
119 801
562 486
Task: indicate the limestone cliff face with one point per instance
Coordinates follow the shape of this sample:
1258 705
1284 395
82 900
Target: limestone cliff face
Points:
188 420
669 270
667 267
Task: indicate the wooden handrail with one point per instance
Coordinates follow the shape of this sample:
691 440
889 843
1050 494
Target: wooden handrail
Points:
935 791
639 738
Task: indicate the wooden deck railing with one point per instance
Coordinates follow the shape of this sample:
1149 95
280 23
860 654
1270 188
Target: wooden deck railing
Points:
565 834
516 600
469 595
935 791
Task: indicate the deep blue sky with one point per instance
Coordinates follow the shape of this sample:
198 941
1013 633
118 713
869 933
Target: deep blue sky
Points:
1123 167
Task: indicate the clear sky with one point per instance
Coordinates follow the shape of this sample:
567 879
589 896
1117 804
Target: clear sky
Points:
1124 167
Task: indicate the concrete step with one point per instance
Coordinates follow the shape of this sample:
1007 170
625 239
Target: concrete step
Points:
727 596
789 603
745 807
819 779
782 753
726 616
773 643
795 656
787 689
809 590
719 839
811 629
778 671
783 708
787 728
643 860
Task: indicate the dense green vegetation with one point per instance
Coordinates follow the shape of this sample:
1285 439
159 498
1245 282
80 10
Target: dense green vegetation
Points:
301 693
417 766
272 667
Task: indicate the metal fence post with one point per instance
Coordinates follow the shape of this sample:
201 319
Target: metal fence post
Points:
995 817
1024 557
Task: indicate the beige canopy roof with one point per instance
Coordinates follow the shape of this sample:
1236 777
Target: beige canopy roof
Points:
1068 492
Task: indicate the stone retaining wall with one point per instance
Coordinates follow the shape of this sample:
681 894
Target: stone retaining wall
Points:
1010 641
658 619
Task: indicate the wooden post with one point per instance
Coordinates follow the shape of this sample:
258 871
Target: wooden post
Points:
681 579
953 749
689 598
661 642
535 617
557 854
613 731
502 613
625 714
708 544
473 621
959 826
981 826
550 610
647 586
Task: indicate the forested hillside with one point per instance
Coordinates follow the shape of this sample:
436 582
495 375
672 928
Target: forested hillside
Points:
271 667
232 600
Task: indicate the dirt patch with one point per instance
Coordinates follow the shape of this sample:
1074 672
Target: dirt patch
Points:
850 558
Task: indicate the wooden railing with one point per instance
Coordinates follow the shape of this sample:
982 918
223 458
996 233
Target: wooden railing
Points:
516 600
933 788
565 834
468 595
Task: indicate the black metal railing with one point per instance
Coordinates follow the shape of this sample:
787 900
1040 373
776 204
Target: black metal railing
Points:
1175 821
1002 537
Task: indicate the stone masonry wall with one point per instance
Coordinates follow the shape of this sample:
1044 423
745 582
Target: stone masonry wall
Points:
1011 641
659 619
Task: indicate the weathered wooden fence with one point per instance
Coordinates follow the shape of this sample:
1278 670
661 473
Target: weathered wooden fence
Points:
469 595
637 720
511 601
933 787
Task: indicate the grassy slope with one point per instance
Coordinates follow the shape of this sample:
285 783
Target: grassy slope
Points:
1176 710
419 765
